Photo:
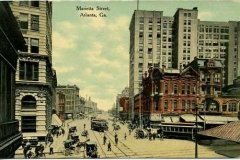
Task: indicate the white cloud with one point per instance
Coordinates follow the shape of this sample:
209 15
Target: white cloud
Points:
88 71
62 42
204 15
96 49
103 76
76 81
121 23
64 69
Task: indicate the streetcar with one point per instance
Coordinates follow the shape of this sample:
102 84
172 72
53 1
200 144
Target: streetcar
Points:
99 124
178 130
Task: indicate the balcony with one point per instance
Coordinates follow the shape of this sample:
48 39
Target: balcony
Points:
8 129
10 139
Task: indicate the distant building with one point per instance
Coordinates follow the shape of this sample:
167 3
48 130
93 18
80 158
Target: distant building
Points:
72 102
60 105
11 40
123 104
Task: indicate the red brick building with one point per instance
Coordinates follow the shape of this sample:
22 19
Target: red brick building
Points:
199 84
60 105
124 103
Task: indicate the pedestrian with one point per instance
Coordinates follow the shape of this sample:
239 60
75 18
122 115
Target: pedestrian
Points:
150 136
130 131
25 150
84 125
104 140
109 146
37 150
115 135
57 133
51 150
51 141
154 135
116 140
63 131
125 136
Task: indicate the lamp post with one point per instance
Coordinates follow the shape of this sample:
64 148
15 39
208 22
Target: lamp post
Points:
196 146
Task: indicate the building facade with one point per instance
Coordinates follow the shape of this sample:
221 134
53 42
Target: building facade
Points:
198 84
11 40
171 41
35 78
72 102
60 105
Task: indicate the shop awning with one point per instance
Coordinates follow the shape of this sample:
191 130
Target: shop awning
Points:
56 120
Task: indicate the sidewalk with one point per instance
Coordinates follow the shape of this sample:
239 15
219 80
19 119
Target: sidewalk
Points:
57 142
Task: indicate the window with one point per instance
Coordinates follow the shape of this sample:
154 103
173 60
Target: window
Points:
183 105
188 88
188 105
150 20
216 78
141 20
23 3
175 105
183 88
141 27
140 34
194 88
165 87
28 71
165 105
35 3
150 27
140 48
149 34
25 49
34 22
28 124
28 102
34 46
158 20
175 88
158 27
23 21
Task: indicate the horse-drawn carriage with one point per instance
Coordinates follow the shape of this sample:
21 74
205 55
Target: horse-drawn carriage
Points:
91 149
141 133
72 129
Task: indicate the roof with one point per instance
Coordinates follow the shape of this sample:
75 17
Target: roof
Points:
209 118
228 131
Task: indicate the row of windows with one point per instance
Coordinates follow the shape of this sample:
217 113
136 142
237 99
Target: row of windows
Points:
32 3
34 23
150 20
214 43
204 49
185 88
34 45
213 36
215 29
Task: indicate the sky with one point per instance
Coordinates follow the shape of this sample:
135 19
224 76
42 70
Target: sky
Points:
93 52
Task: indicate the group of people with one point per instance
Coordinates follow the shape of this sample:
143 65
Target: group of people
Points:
28 153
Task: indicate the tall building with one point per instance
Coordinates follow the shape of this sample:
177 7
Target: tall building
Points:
35 78
171 41
72 101
11 40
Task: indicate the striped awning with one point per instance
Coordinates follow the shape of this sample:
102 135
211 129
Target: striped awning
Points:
230 131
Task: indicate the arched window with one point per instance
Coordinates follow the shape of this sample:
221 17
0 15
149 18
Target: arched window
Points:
193 105
28 102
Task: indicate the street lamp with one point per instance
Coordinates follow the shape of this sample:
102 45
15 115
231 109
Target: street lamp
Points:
196 145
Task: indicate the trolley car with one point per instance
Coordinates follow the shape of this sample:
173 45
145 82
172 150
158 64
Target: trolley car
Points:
179 130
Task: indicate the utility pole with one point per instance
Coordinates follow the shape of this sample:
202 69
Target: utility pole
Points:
137 4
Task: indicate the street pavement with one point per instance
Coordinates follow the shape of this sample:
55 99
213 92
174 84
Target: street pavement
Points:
131 147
